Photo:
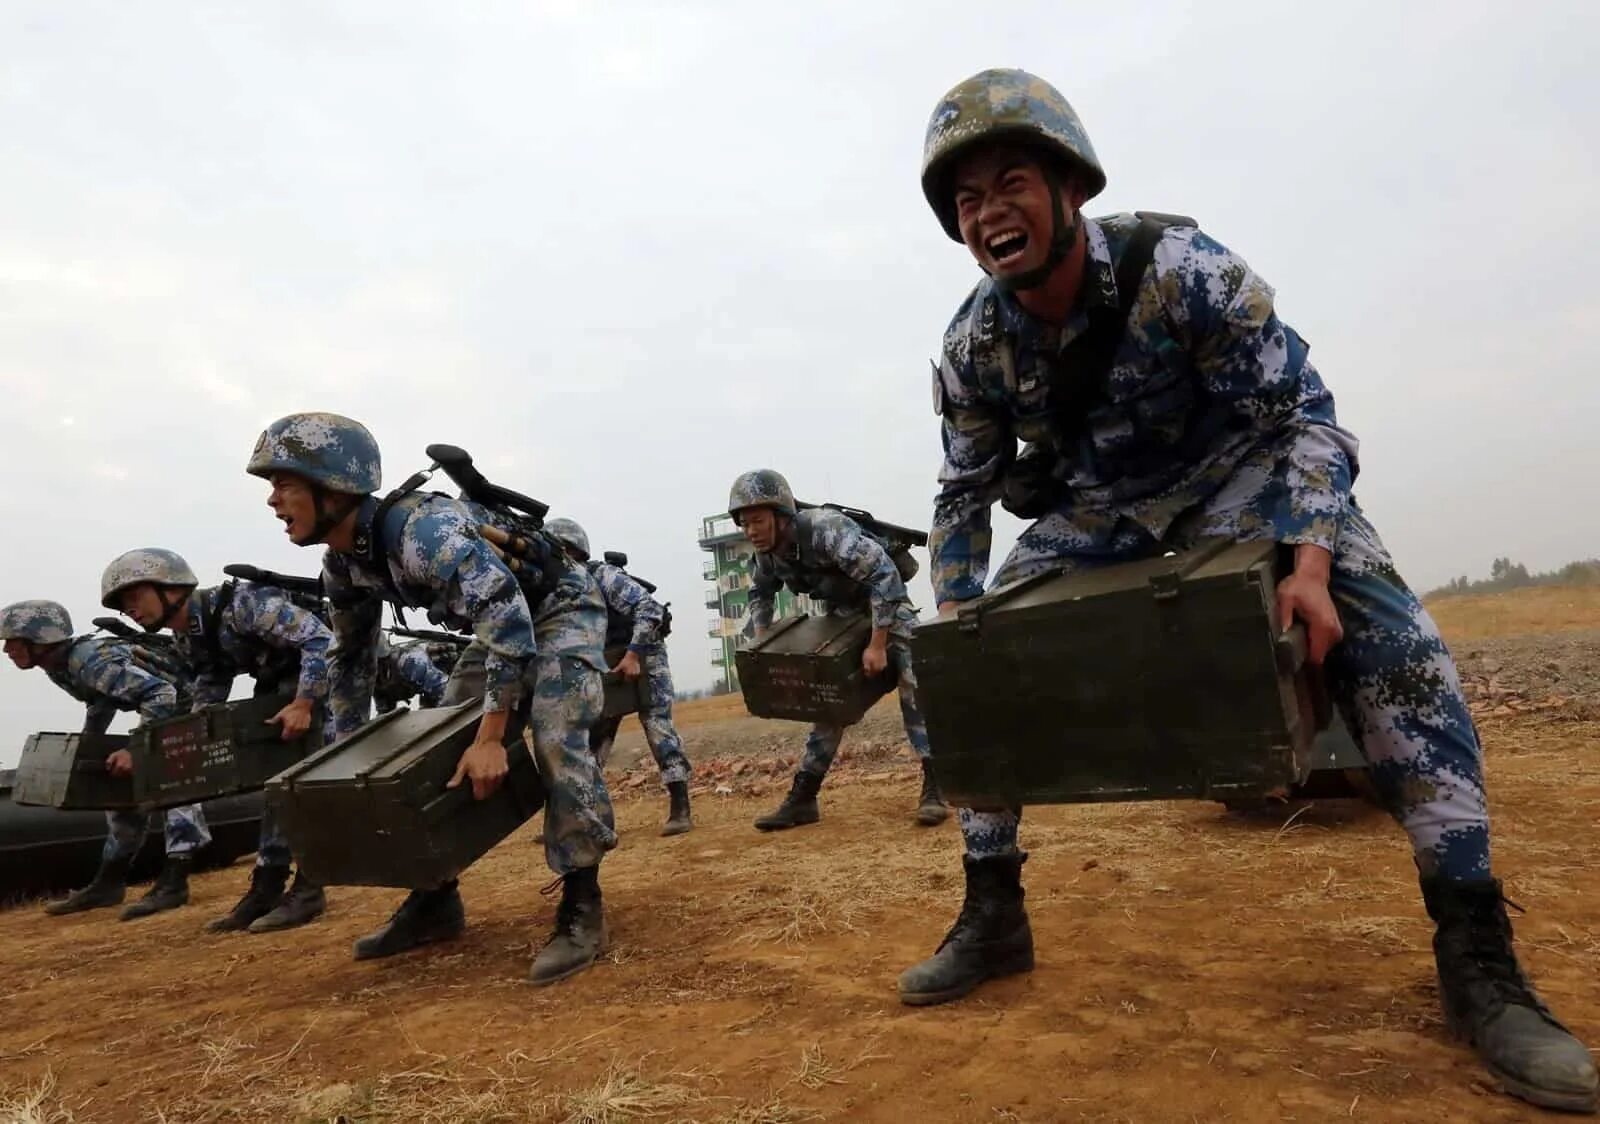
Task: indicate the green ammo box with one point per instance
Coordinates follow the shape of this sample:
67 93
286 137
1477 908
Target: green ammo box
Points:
809 669
622 697
1160 679
372 809
69 771
220 750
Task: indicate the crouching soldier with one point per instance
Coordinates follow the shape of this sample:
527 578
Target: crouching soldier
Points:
1164 401
537 668
635 618
107 675
826 554
237 628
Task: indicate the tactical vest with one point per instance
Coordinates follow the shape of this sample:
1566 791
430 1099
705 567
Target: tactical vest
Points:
272 668
822 580
619 626
377 540
1078 384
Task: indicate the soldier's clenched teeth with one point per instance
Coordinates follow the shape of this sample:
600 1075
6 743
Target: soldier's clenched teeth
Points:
1006 246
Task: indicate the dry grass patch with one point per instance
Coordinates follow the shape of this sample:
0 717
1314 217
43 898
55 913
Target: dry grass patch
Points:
34 1104
623 1093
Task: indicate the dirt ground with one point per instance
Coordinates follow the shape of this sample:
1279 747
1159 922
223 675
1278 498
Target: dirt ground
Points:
1193 965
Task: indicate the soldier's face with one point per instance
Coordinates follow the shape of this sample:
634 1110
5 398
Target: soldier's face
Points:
21 653
294 505
1005 211
760 526
142 602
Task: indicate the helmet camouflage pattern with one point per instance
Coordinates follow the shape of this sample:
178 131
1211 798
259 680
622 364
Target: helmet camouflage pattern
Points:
147 564
1001 105
762 487
328 449
42 622
569 533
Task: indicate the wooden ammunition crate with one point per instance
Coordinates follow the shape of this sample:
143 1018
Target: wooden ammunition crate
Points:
372 809
1166 678
809 669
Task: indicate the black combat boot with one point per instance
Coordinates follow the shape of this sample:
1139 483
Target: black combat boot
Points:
931 808
678 819
303 904
580 933
425 916
799 807
266 890
990 938
109 885
169 891
1490 1004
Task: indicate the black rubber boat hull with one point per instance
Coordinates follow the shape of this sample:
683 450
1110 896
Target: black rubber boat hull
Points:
47 851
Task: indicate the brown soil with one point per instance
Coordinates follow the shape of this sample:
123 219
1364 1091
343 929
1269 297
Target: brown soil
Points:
1192 964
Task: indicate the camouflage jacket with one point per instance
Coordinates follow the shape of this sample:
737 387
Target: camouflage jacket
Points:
1211 412
631 605
433 558
255 631
827 555
105 674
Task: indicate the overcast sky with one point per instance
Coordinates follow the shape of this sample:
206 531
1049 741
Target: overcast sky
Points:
622 252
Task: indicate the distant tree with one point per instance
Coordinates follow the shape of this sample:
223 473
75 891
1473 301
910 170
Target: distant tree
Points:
1505 574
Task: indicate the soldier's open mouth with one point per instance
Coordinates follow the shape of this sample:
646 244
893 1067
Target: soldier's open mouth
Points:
1006 247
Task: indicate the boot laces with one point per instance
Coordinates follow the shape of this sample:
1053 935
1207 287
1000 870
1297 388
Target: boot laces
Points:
1490 961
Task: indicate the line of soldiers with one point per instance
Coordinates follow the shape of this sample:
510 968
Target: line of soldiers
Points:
1157 399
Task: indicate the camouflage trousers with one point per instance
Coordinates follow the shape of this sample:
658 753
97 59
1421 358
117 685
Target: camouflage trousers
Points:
185 831
272 846
1391 676
666 747
563 697
822 744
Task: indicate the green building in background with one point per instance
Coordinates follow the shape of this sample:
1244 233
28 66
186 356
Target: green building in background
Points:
727 573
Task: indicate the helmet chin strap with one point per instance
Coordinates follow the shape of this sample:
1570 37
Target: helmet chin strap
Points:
171 607
1063 236
327 520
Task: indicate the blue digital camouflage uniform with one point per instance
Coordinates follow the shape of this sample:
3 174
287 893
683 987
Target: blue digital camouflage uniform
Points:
1211 421
829 557
106 676
441 563
411 672
631 602
257 631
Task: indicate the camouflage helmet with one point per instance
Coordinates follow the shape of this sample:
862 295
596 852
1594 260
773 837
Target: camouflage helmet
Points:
761 487
1001 104
147 564
41 622
328 449
568 533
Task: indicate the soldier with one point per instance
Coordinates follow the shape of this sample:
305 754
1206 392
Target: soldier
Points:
407 671
635 618
106 675
237 628
537 668
827 555
1164 401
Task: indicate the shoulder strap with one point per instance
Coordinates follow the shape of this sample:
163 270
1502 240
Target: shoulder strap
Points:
1088 359
212 621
